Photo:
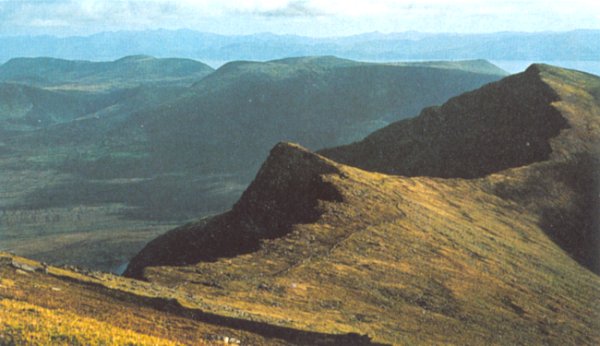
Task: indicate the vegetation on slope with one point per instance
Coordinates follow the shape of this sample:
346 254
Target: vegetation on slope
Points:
26 324
49 305
155 156
544 114
502 125
26 108
320 246
460 264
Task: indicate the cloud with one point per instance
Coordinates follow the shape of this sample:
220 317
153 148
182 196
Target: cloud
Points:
299 8
305 17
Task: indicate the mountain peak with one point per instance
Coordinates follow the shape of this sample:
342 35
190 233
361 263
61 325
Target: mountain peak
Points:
135 58
287 189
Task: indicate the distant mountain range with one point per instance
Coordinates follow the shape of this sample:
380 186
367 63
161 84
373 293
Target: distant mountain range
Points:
542 46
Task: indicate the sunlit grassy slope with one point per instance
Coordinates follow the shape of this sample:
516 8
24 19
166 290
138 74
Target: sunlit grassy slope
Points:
27 324
45 305
498 259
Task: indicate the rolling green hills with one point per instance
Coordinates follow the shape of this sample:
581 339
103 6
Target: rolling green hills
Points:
503 257
129 71
236 114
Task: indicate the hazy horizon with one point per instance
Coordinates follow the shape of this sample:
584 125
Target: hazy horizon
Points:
365 33
310 18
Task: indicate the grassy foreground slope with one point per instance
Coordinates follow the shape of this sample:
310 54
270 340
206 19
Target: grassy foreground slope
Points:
316 245
45 305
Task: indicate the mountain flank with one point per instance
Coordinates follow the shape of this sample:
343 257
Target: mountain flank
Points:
505 256
544 114
470 136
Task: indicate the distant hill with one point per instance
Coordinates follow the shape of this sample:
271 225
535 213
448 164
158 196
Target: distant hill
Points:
130 71
25 107
507 256
477 66
319 101
540 46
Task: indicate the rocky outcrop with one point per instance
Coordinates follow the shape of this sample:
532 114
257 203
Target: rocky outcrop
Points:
286 191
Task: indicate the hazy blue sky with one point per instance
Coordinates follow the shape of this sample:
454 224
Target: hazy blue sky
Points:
302 17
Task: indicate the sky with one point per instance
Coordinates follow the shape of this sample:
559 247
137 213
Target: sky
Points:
321 18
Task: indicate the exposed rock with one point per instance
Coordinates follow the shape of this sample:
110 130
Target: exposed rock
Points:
287 190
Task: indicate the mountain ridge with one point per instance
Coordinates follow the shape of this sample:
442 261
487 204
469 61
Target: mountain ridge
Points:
569 45
126 168
513 96
463 260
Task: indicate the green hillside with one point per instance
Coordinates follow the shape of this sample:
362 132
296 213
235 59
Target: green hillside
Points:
236 114
126 72
25 108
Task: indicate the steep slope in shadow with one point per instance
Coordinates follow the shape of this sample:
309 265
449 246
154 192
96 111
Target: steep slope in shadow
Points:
502 125
544 114
286 191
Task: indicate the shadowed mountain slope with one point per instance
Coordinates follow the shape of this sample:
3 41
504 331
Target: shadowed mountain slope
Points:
322 246
317 101
502 125
544 114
